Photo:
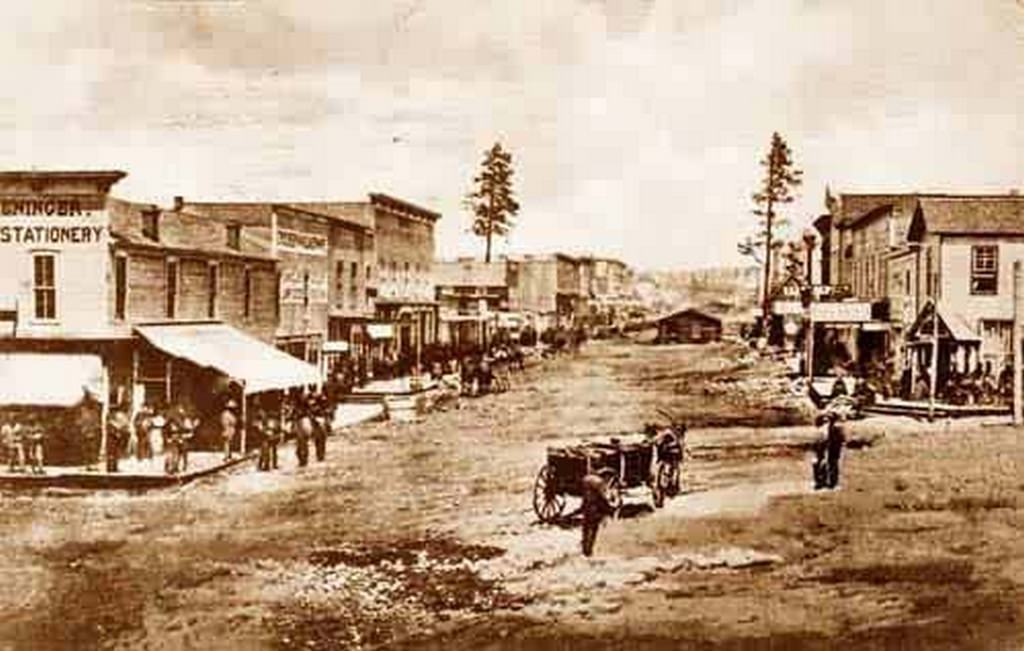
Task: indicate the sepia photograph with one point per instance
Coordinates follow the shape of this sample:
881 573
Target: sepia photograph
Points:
477 325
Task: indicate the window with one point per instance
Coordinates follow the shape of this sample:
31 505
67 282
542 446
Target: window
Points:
339 282
984 268
235 237
277 296
151 225
305 289
171 298
44 286
353 280
120 286
929 275
211 291
247 293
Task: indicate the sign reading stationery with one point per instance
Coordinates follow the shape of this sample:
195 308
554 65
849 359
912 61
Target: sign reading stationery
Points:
52 221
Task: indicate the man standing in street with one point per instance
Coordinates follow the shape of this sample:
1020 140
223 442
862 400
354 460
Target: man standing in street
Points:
596 505
228 425
303 427
834 442
321 425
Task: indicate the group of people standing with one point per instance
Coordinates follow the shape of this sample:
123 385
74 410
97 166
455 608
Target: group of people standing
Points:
23 446
154 430
307 418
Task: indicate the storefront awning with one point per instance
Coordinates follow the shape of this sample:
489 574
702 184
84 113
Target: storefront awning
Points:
259 366
380 330
950 326
49 379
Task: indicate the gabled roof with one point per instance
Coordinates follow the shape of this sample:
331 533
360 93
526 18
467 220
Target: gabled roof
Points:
951 325
981 215
854 209
691 312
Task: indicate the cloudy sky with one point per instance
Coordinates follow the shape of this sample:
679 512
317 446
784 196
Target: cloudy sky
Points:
636 125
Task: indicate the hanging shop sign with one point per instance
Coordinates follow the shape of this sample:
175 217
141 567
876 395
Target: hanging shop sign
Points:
856 312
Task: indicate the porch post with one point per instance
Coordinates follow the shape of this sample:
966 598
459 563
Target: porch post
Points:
935 361
243 420
1018 352
104 414
810 347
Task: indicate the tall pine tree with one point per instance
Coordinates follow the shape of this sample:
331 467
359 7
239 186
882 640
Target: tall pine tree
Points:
492 200
781 178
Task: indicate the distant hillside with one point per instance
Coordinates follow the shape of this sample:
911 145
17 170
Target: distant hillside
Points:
724 290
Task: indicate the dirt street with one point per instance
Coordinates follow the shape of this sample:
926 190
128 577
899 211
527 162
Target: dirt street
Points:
422 535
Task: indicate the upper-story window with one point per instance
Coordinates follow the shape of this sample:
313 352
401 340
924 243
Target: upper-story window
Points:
120 286
151 225
211 290
247 289
171 294
44 285
984 269
234 232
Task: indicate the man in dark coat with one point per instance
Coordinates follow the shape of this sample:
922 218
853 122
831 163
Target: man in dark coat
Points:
322 414
596 506
834 442
118 430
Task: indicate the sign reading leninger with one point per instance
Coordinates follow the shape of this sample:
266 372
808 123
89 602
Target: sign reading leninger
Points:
50 221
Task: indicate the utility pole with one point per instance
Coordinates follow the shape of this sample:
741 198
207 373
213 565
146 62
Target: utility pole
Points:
1018 351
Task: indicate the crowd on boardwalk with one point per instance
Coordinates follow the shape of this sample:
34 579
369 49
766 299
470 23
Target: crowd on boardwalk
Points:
162 436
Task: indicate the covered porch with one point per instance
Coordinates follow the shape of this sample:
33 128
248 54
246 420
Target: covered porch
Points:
942 359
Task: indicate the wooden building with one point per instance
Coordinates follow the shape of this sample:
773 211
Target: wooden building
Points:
689 326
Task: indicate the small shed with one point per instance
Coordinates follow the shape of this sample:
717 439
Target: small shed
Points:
689 326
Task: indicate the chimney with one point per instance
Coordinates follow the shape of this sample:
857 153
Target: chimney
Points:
179 203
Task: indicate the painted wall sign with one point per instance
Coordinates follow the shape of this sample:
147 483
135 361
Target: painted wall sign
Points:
298 286
841 312
299 242
51 221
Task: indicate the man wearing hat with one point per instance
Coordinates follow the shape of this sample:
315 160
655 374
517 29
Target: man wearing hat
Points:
828 450
302 423
228 426
322 423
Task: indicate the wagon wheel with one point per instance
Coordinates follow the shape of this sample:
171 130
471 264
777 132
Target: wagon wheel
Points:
548 504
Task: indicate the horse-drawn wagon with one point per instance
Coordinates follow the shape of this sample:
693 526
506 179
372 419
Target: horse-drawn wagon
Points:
648 460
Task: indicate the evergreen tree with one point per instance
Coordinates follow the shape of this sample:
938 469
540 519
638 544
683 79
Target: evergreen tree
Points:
492 200
781 178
